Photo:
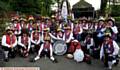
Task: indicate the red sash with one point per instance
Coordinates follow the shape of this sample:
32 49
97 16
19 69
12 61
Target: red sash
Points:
45 26
41 28
36 36
29 26
76 29
67 35
10 40
24 40
17 27
24 25
110 46
46 46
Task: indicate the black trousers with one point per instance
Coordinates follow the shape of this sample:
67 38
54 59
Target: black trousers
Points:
22 51
107 58
36 48
47 53
12 51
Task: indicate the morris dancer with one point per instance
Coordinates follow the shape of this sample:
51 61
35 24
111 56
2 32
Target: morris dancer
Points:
111 28
16 26
70 23
89 44
84 27
24 43
35 40
77 31
99 32
39 24
46 48
59 34
68 35
9 43
23 23
84 23
108 52
76 51
30 24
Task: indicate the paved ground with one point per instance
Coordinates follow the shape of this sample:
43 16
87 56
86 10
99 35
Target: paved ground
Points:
63 64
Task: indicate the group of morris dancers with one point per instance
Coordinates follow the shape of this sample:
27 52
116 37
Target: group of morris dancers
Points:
37 35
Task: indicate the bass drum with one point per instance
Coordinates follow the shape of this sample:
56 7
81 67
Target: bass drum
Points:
59 47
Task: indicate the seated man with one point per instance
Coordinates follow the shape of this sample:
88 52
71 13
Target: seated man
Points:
35 40
9 42
46 48
24 44
89 44
76 51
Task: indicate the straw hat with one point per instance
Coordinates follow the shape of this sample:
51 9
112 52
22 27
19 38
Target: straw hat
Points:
30 18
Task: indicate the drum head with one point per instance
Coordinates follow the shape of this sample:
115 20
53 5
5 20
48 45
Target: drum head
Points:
60 48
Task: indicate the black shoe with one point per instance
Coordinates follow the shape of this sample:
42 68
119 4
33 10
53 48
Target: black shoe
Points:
117 62
55 61
6 60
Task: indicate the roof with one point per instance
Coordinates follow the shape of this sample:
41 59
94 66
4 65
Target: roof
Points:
82 4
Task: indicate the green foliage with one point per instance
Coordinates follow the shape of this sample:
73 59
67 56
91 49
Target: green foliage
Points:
115 10
28 6
103 6
4 6
117 19
31 7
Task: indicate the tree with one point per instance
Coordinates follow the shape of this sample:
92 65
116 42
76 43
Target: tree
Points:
46 6
42 7
103 6
4 8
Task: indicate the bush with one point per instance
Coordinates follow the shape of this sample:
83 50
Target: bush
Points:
115 10
117 19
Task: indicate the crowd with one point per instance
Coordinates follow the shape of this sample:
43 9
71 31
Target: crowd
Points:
84 38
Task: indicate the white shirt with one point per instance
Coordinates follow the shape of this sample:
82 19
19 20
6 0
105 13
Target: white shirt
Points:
21 44
69 39
115 52
35 42
91 43
5 44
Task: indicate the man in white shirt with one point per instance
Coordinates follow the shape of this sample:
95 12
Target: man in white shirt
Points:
35 40
109 51
9 43
24 44
46 48
67 36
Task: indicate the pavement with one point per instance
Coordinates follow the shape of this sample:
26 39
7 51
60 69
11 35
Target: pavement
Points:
63 64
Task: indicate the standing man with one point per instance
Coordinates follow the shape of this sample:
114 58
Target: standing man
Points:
68 35
16 26
30 24
109 51
77 31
